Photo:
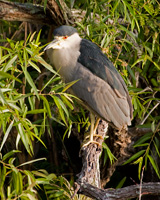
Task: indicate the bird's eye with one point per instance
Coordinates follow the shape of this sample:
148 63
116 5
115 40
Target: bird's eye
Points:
65 37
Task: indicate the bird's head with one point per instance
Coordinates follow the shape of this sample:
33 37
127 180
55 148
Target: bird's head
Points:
64 36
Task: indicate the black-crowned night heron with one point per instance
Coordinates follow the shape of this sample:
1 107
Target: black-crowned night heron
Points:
99 86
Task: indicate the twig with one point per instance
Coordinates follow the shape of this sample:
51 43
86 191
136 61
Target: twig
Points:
150 113
140 186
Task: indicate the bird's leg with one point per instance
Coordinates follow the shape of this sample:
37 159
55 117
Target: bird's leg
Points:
93 128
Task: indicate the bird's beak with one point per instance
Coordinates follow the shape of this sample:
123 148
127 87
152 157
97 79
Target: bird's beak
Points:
55 44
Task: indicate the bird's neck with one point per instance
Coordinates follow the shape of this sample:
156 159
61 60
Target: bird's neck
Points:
65 59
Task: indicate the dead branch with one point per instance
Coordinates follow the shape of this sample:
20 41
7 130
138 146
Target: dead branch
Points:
26 12
90 158
121 193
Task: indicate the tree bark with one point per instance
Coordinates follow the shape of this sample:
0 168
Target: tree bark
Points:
26 12
121 193
90 172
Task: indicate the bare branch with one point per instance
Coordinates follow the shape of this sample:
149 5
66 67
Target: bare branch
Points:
26 12
121 193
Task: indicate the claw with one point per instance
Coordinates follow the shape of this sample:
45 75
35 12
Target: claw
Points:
90 136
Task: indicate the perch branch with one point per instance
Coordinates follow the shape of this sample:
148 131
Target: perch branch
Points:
121 193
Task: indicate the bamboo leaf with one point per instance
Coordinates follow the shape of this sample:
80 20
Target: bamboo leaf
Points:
2 59
47 106
36 111
2 98
61 107
31 161
46 65
34 66
128 32
6 75
10 62
23 137
138 154
121 183
69 85
30 81
143 139
3 175
154 165
67 102
9 154
109 153
6 134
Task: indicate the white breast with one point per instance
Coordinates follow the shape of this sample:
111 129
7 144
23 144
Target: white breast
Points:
65 58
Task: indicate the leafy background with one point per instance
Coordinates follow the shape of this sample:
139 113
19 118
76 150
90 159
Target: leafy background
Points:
37 114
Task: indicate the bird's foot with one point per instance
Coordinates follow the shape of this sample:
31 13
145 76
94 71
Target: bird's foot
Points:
88 140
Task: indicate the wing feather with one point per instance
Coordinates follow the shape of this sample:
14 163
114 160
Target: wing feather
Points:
92 58
101 98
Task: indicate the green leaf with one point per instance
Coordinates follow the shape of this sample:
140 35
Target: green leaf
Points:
109 153
53 79
36 111
67 102
6 75
138 154
9 154
45 64
131 72
2 98
57 194
121 183
68 85
6 134
61 108
128 32
143 139
140 162
34 66
154 165
47 106
30 81
10 62
23 137
3 175
31 161
2 59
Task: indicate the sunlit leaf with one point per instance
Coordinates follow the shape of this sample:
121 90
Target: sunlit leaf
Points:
154 165
6 134
30 81
135 156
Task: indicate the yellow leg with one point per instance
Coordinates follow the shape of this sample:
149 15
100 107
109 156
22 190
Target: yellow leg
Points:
93 128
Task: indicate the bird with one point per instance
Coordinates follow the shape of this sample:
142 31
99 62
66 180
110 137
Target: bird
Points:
99 85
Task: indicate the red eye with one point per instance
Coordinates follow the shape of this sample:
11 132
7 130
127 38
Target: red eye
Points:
65 37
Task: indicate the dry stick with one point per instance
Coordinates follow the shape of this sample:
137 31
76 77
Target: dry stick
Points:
149 113
140 186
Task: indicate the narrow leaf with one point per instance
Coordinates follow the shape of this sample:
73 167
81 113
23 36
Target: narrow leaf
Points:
6 134
154 165
138 154
30 81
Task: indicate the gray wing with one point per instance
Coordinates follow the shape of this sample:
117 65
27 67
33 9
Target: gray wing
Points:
101 98
101 86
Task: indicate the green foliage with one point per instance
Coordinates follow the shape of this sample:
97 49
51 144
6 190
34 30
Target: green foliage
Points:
32 95
146 154
21 120
20 69
108 154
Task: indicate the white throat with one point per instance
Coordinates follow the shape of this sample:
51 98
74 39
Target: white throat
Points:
64 57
